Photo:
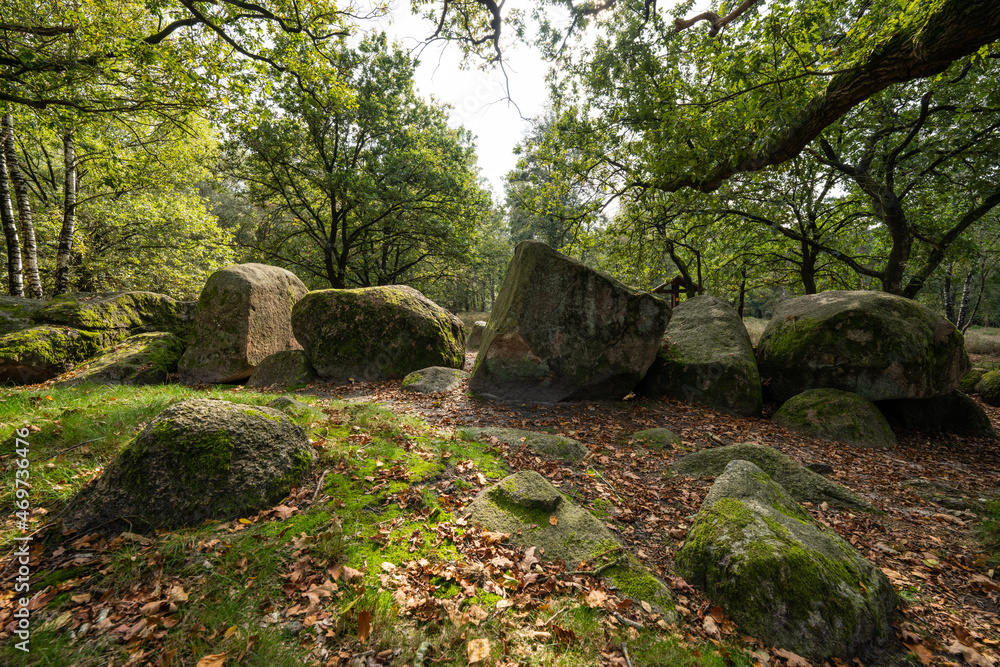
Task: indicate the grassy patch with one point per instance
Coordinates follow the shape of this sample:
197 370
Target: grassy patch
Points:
983 340
755 327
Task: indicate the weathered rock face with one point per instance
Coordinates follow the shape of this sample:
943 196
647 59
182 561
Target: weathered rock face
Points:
560 331
40 353
832 414
288 368
782 576
476 336
243 315
126 312
199 459
952 413
657 438
535 514
871 343
16 313
988 388
802 484
434 380
539 443
138 360
376 333
706 358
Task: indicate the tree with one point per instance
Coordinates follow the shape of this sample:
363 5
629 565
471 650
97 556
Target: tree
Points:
367 190
27 226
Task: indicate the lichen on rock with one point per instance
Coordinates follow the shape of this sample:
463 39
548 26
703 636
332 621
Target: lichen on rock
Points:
137 360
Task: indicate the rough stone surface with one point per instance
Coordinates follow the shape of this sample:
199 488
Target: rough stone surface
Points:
40 353
288 368
988 388
540 443
243 316
874 344
289 405
657 438
16 313
842 416
475 338
138 360
199 459
128 312
706 358
560 331
782 576
972 378
433 380
952 413
376 333
802 484
535 514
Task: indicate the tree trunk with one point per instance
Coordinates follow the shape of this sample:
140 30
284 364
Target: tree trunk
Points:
963 309
15 285
947 296
65 253
23 210
743 294
807 269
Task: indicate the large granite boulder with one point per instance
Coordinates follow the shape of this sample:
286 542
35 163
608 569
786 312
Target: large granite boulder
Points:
283 370
782 576
535 514
16 313
841 416
799 482
243 315
706 358
952 413
125 312
139 360
199 459
561 331
874 344
376 333
39 353
546 444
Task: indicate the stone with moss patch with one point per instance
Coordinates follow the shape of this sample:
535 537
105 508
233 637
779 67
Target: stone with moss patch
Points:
433 380
988 388
199 459
281 370
840 416
971 379
138 360
657 438
874 344
801 483
16 313
128 312
706 358
952 413
289 404
475 338
541 443
376 333
782 576
40 353
243 316
561 331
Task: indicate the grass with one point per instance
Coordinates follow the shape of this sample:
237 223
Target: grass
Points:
755 327
983 340
989 530
471 316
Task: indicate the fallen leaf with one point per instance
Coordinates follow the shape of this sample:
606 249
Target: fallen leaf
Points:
554 520
350 574
214 660
230 631
970 655
985 582
80 599
596 598
176 594
478 650
710 627
923 654
364 625
792 659
283 511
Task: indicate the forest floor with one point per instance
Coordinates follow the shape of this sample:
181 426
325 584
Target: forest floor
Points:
371 562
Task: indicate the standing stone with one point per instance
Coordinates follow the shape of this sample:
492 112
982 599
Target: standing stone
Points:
561 331
243 315
476 335
874 344
706 358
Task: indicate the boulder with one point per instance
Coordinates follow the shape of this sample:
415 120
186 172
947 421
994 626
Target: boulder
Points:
801 483
952 413
475 338
874 344
561 331
706 358
376 333
434 380
125 312
243 316
535 514
657 438
988 388
40 353
289 405
832 414
782 576
541 443
283 370
138 360
197 460
16 313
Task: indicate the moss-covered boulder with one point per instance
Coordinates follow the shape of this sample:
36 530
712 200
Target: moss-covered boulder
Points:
952 413
127 312
376 333
434 380
782 576
475 338
657 438
282 370
138 360
802 484
988 388
540 443
199 459
535 514
243 316
561 331
16 313
841 416
40 353
874 344
706 358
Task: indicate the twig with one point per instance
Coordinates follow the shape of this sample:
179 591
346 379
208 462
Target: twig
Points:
556 615
80 444
630 623
628 660
319 485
